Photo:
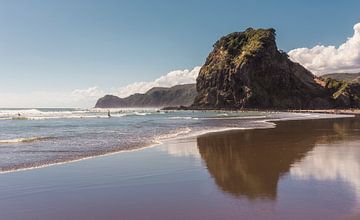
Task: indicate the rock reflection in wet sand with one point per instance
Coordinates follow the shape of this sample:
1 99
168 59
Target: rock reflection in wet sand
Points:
250 163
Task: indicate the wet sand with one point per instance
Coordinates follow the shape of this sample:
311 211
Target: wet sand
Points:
299 170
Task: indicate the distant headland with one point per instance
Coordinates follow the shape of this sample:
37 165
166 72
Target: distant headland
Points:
157 97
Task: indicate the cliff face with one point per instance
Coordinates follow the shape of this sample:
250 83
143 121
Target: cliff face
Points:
246 70
155 97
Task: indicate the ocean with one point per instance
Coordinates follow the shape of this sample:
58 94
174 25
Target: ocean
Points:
39 137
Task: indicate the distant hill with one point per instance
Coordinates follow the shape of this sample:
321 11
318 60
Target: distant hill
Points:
349 77
179 95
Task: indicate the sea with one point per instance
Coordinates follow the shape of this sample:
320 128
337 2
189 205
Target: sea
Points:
37 137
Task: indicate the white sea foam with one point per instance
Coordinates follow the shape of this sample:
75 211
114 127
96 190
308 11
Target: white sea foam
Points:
184 118
48 114
236 117
22 140
141 113
176 133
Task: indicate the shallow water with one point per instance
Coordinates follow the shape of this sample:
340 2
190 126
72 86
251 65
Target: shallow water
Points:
298 170
38 137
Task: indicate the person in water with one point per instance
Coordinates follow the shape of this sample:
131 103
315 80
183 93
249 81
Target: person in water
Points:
109 115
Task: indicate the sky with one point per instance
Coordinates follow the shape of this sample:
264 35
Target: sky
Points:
68 53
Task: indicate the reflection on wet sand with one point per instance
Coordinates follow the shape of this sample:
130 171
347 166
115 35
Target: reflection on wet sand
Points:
251 162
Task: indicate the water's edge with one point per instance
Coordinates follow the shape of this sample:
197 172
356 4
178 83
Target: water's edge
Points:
267 124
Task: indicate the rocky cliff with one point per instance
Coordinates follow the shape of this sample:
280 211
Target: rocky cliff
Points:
246 70
156 97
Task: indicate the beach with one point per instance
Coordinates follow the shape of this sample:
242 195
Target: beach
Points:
179 110
299 169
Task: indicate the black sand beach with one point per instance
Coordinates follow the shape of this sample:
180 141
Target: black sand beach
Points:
306 169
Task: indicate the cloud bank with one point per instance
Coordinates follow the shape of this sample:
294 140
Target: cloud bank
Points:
329 59
37 99
92 92
172 78
87 97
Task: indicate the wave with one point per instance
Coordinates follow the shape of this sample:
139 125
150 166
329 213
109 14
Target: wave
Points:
19 118
25 114
184 117
21 111
176 133
141 113
48 114
235 117
23 140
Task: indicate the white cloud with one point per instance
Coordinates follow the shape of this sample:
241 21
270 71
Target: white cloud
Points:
76 98
34 99
87 97
92 92
172 78
328 59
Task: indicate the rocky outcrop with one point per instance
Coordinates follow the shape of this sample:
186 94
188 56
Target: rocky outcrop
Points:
246 70
345 93
348 77
180 95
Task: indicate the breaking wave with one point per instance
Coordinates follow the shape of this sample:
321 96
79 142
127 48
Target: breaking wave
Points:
48 114
23 140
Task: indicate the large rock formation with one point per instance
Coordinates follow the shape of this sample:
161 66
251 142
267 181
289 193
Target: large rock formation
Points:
246 70
180 95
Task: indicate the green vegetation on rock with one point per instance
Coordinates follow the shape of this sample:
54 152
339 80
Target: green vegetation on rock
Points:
233 49
336 86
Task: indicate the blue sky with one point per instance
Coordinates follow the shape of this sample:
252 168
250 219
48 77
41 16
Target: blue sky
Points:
49 46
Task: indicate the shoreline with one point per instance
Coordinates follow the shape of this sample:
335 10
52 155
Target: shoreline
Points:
110 153
325 111
330 111
268 124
